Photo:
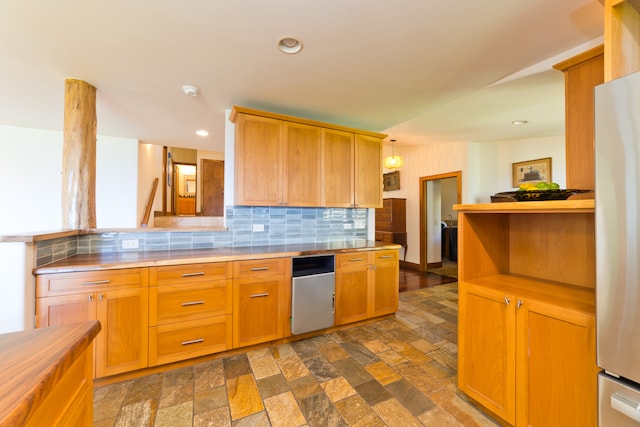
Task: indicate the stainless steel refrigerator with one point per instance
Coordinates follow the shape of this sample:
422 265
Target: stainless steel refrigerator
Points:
617 148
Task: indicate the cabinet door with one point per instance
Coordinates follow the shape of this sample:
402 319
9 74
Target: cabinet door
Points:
256 314
384 297
486 348
66 309
338 168
301 167
122 345
352 287
557 372
368 172
258 161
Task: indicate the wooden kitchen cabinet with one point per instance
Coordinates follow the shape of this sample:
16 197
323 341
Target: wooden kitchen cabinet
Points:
338 187
258 160
581 73
526 337
117 298
301 172
288 161
190 311
367 285
368 174
260 300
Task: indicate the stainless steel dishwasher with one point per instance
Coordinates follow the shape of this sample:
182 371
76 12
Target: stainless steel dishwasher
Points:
312 293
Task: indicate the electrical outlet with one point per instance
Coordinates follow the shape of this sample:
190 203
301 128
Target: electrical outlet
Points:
130 244
258 227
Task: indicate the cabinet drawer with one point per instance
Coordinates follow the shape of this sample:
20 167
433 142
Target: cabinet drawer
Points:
260 268
175 303
353 258
184 340
189 273
90 281
386 256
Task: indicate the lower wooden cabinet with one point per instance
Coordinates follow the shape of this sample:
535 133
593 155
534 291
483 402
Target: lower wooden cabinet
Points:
260 290
367 285
529 361
117 298
190 311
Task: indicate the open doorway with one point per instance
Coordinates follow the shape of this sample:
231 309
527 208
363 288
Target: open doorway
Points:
438 222
184 190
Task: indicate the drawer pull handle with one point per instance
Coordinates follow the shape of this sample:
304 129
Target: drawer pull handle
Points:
188 303
96 282
386 256
259 268
199 273
196 341
264 294
356 259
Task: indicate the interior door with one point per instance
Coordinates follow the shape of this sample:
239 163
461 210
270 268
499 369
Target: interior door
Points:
212 187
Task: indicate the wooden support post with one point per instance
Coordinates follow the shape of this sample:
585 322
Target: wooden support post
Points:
79 156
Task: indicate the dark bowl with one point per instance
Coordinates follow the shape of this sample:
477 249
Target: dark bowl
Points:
535 195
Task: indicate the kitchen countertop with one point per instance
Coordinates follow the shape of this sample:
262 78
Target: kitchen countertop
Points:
106 261
33 361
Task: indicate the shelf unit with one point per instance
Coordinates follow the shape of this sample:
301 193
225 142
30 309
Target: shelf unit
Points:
527 311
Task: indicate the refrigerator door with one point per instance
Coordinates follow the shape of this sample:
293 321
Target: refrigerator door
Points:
617 141
618 403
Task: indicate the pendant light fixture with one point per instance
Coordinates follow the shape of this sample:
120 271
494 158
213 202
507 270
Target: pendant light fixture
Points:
393 161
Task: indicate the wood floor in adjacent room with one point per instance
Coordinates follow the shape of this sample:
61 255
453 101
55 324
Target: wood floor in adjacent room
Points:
395 372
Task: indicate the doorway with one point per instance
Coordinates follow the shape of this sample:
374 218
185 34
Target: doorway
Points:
184 189
434 255
212 174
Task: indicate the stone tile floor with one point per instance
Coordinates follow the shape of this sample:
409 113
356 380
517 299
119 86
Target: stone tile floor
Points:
395 372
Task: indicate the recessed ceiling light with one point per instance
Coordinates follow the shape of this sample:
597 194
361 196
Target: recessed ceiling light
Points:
202 132
289 45
519 122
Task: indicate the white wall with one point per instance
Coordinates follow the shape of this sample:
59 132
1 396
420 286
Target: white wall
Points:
496 159
422 161
31 181
117 183
17 287
486 170
149 168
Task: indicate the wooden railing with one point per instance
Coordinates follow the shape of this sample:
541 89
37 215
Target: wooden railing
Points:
147 210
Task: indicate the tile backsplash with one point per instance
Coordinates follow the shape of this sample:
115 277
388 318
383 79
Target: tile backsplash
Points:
246 226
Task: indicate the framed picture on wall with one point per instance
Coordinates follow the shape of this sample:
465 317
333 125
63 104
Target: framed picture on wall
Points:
532 171
391 181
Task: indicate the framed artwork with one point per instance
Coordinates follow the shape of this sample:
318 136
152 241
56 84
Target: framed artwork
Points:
391 181
532 171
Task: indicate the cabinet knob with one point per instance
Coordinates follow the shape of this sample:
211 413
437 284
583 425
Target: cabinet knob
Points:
507 300
90 297
520 303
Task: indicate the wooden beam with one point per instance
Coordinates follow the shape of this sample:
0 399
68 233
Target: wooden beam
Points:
79 156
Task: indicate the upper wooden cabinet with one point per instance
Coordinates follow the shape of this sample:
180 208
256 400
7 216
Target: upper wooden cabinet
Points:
621 38
287 161
582 73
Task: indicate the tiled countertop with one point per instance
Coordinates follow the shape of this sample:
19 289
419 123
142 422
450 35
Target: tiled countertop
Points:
105 261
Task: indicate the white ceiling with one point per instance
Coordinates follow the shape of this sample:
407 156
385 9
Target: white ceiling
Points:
421 70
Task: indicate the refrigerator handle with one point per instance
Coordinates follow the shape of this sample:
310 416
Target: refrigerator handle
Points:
626 406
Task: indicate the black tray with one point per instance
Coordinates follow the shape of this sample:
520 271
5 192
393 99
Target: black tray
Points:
535 195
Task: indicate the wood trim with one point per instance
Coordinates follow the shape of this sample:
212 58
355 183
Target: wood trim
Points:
236 109
580 58
423 211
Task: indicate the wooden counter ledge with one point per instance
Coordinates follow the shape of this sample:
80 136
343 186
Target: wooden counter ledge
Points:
34 362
